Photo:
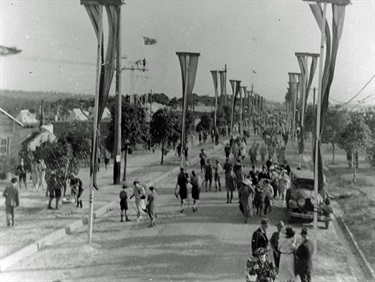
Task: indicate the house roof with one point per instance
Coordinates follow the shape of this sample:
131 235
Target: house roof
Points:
11 117
77 114
27 118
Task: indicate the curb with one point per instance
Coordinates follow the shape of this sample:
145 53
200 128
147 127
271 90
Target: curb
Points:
49 239
365 265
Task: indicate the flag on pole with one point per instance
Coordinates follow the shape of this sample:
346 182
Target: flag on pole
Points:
189 65
149 41
5 51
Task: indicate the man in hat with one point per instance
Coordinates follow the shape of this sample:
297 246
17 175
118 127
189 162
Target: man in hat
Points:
12 200
124 203
274 243
259 239
21 169
304 254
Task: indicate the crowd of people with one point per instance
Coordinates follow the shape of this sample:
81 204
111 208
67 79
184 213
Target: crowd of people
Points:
283 256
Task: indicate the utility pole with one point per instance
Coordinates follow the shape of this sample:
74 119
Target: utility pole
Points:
117 158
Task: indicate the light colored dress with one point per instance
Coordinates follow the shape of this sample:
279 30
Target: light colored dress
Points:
286 267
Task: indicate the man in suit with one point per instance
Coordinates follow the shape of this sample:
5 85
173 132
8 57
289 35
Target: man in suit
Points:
304 257
274 242
12 200
259 239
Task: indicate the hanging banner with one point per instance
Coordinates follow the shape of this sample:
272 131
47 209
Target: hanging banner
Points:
189 65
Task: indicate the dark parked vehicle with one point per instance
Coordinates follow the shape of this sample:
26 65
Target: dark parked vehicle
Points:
300 199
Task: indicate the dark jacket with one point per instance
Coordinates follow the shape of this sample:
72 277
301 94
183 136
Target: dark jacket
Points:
259 240
304 257
11 195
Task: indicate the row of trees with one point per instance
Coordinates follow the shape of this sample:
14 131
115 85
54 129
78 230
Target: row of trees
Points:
350 131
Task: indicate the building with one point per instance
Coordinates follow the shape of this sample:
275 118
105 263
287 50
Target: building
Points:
12 132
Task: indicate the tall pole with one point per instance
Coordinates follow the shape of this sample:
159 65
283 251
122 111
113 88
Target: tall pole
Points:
317 140
96 109
225 84
214 78
183 122
117 160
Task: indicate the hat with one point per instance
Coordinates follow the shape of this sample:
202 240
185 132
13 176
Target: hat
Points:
289 232
14 180
281 223
264 221
260 251
151 188
202 150
135 182
125 185
304 231
247 182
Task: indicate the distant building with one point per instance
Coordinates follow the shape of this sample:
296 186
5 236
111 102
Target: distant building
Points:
36 140
77 115
27 119
12 132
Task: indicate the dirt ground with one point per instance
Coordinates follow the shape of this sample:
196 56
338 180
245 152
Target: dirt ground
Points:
356 200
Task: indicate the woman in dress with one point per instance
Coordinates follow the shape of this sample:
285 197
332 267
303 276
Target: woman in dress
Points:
246 195
287 246
34 175
42 175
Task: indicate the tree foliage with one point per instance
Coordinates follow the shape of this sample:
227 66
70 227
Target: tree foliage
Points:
133 126
205 123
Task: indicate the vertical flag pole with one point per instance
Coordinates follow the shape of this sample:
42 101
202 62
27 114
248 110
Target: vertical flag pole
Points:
317 140
214 77
117 160
95 124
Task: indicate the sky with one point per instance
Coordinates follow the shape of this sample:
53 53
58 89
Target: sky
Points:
59 45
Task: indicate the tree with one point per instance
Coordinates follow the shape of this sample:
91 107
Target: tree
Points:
160 98
355 136
163 129
334 124
205 123
133 129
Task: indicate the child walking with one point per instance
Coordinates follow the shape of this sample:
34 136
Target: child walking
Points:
124 203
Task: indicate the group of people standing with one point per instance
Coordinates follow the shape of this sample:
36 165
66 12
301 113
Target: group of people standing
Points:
289 258
37 174
143 202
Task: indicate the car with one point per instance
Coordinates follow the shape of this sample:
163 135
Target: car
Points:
300 199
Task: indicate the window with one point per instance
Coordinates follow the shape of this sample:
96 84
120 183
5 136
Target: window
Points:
4 146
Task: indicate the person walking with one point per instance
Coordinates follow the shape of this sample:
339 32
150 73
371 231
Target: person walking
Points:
76 186
227 150
274 243
21 170
253 154
263 152
195 189
12 200
124 203
304 254
259 238
54 190
287 246
151 205
246 195
42 175
34 175
139 196
230 184
243 149
208 175
181 188
203 158
218 171
107 157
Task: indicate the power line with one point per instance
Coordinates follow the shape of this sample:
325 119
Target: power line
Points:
358 92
